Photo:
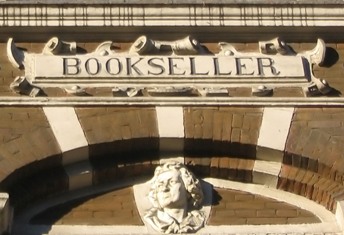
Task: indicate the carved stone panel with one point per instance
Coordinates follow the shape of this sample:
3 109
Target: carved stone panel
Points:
158 68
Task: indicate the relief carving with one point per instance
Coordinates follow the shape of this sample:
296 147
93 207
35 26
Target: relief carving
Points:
317 86
175 68
176 195
55 46
275 46
21 86
187 46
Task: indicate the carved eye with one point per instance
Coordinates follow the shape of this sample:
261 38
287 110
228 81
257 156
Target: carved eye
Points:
161 185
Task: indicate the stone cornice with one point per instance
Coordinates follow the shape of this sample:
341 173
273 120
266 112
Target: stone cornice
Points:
222 15
172 101
172 2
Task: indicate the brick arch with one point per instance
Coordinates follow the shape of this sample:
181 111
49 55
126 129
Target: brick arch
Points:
117 166
313 159
220 142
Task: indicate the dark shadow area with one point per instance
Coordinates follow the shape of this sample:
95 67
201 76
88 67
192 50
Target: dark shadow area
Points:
301 162
35 181
80 50
123 151
51 215
331 57
216 198
169 33
123 159
37 187
30 169
334 93
41 92
223 160
209 147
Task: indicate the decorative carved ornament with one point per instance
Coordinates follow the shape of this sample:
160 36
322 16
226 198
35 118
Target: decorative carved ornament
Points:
177 68
174 201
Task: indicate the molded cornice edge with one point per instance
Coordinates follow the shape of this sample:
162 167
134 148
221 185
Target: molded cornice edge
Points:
295 15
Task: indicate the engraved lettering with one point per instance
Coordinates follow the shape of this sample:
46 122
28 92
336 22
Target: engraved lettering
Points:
241 66
268 64
71 66
92 66
113 66
131 67
172 66
193 68
217 70
153 62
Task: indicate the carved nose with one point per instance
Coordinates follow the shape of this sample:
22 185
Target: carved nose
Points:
166 188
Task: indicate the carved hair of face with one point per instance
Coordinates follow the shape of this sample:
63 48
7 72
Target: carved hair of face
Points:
174 186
